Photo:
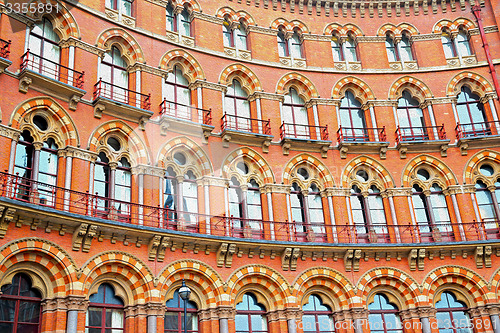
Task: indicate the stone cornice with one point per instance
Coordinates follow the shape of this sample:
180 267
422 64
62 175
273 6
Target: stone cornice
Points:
269 96
208 18
399 192
370 39
9 132
148 170
214 181
79 153
417 38
460 189
148 69
277 188
261 30
72 41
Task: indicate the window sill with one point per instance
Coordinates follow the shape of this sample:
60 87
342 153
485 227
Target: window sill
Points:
236 53
293 62
120 110
363 147
321 146
4 63
246 138
184 126
115 16
466 60
477 142
420 146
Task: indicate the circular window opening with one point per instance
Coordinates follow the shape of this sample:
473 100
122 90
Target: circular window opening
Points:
487 170
423 174
114 144
303 173
242 167
362 175
40 122
180 158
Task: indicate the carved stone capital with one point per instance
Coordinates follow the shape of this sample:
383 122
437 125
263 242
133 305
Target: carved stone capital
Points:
225 312
399 192
9 132
155 309
426 312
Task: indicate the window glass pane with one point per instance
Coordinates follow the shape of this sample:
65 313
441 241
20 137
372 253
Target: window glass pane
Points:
296 47
241 322
391 49
7 310
227 34
170 18
336 51
405 47
241 38
447 46
463 44
94 317
282 50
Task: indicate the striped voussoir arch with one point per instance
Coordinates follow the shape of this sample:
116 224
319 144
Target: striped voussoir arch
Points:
405 286
358 87
199 274
336 283
200 156
245 74
192 4
60 266
324 174
342 31
305 86
430 161
463 277
382 31
405 27
475 160
409 82
130 269
65 22
131 48
477 84
267 280
137 147
495 286
381 171
263 167
191 66
289 25
453 26
64 123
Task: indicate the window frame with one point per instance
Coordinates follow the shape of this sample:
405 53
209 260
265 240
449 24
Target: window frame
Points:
104 307
250 313
179 310
316 313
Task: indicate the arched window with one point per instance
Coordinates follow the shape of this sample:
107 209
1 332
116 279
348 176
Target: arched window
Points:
227 33
190 199
105 312
20 306
405 48
102 181
383 316
123 188
47 173
282 44
237 108
250 316
240 37
171 17
236 204
254 205
455 46
294 116
410 119
452 315
463 45
352 119
298 208
114 76
44 51
368 215
185 20
174 316
390 46
177 95
471 114
171 198
448 45
316 216
296 46
317 317
351 53
179 22
122 6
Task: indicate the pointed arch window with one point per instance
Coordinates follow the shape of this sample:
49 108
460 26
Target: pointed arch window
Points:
185 23
384 316
102 181
390 46
236 204
174 316
368 215
471 115
254 204
177 95
351 52
23 165
296 46
405 48
316 217
227 33
123 187
294 116
455 46
237 108
298 208
105 312
463 44
240 37
451 315
20 306
122 6
410 119
282 44
352 119
250 315
487 202
171 198
190 198
44 53
114 75
448 45
317 317
47 173
338 53
171 17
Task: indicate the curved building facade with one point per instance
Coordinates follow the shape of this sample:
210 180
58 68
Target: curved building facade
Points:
302 166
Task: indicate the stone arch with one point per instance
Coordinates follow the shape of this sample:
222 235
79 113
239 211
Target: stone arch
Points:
438 27
342 31
249 81
262 168
192 4
453 26
358 87
55 114
235 16
475 160
338 286
397 30
305 88
431 161
417 88
138 150
382 31
49 261
125 42
204 279
478 84
379 169
200 157
406 288
63 21
495 286
190 66
289 26
464 278
128 270
324 176
267 281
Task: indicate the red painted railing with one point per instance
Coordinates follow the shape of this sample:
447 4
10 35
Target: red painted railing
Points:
52 69
4 48
299 131
252 125
425 133
472 130
122 95
39 195
367 134
186 112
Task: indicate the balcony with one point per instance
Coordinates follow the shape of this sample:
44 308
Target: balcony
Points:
4 55
50 77
35 202
122 103
246 131
421 139
185 119
477 135
362 140
304 137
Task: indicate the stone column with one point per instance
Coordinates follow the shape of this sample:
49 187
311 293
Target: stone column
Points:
14 135
153 311
329 198
36 160
494 313
224 314
425 313
74 305
293 316
360 319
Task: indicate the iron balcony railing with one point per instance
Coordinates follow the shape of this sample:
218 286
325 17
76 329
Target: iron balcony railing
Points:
252 125
122 95
472 130
425 133
4 48
52 69
37 194
299 131
186 112
366 134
